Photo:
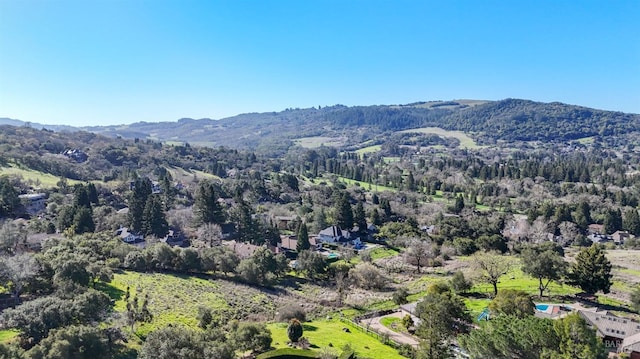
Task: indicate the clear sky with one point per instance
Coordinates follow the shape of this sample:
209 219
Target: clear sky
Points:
116 61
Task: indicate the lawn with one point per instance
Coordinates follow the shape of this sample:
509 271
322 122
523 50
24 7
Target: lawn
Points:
366 185
317 141
369 149
7 335
322 333
172 298
39 179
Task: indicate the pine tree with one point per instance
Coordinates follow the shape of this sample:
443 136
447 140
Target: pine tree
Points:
93 193
81 197
206 206
631 222
591 270
612 221
303 238
137 202
344 214
360 218
154 221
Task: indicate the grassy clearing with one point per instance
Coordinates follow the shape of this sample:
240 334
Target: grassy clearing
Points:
465 141
186 176
369 149
7 335
391 159
586 140
381 252
39 179
317 141
365 185
173 299
515 279
321 333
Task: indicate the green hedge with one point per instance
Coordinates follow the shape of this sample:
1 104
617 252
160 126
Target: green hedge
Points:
287 353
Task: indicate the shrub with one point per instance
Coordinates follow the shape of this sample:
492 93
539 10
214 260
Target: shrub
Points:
367 276
292 311
294 330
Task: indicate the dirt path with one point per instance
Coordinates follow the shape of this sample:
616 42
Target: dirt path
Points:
374 323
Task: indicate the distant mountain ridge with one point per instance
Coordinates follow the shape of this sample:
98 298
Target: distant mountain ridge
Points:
487 121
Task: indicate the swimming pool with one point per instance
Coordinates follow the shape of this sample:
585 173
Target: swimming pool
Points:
542 307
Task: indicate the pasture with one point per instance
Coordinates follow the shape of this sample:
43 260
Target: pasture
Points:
466 142
329 332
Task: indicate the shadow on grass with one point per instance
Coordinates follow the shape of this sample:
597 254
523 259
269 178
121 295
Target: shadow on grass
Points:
113 292
309 328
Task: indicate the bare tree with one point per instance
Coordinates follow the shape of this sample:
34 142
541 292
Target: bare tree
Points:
10 236
16 271
210 234
493 267
419 252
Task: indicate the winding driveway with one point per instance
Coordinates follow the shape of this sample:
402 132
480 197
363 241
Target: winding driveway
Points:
402 338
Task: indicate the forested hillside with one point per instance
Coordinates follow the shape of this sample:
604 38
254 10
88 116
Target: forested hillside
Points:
509 120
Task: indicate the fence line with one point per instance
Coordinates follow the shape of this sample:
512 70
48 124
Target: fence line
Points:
382 337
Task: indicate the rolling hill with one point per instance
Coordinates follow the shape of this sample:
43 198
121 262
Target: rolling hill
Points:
486 121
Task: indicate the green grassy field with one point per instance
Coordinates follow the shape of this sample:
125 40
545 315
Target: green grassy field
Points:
40 179
7 335
317 141
465 141
172 298
369 149
365 185
321 333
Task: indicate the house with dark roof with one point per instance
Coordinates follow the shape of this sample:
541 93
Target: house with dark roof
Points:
335 234
132 238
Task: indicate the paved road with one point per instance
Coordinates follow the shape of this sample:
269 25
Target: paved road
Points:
374 323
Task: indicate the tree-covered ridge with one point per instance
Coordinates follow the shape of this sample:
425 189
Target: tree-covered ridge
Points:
524 120
487 121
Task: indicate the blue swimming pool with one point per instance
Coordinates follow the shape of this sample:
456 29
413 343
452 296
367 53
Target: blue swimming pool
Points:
542 307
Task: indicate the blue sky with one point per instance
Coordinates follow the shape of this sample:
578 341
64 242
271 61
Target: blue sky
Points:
115 61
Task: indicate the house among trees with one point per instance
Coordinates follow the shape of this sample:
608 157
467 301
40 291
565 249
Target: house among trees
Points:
616 332
620 236
132 238
335 234
34 203
76 155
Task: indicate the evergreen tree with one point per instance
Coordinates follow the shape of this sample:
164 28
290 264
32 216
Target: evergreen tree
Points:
459 205
360 218
154 220
631 222
582 215
81 197
294 330
591 270
206 206
137 202
247 227
344 214
375 217
83 220
9 201
303 238
612 221
92 193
